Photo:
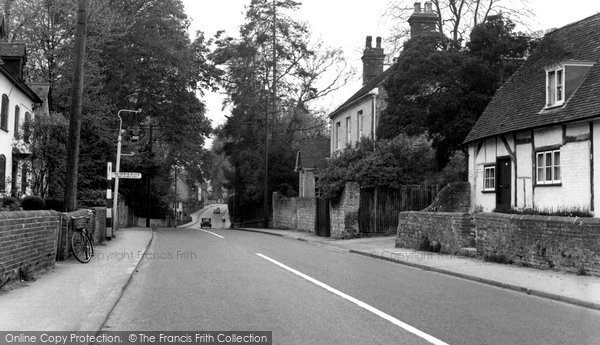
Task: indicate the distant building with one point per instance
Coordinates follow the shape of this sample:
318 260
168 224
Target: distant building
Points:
358 116
536 144
308 161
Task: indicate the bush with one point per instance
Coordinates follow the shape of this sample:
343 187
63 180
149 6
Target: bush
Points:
10 204
33 202
561 212
55 204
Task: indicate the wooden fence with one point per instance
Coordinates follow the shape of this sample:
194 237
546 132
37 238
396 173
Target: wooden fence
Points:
379 207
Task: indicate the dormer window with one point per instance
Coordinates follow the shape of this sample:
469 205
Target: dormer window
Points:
555 87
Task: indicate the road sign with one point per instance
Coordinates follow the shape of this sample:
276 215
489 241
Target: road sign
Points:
129 175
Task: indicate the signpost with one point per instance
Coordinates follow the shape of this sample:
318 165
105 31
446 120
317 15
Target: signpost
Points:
110 174
129 175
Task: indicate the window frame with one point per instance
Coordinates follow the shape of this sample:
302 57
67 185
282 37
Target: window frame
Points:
27 131
554 89
4 113
541 171
486 168
348 130
17 120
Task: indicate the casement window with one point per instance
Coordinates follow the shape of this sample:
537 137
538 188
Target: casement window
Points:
27 131
548 167
4 113
489 178
555 87
337 135
348 130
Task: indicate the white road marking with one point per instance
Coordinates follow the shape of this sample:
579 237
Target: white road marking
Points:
359 303
212 233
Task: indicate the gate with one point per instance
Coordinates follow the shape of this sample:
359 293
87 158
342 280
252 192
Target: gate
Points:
379 207
322 226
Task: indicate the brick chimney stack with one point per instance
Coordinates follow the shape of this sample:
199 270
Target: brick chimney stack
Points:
372 59
423 21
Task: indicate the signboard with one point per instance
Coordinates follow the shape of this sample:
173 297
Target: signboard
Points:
109 173
129 175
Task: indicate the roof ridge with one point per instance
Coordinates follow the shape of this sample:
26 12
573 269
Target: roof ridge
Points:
572 24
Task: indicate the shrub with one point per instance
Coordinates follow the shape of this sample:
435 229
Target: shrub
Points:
561 212
33 202
10 204
55 204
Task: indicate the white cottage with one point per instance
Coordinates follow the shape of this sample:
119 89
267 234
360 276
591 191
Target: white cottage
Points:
533 147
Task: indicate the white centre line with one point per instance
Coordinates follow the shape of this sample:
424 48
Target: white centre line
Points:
359 303
212 233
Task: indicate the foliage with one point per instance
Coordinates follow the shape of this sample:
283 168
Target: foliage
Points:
33 202
440 88
257 118
10 204
392 163
560 212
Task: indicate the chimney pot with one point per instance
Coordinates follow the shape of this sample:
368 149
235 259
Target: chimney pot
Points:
417 7
369 40
378 42
428 6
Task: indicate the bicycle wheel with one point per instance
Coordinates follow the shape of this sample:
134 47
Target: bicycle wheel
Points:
81 247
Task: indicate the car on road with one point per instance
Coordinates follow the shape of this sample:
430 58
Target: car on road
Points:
217 210
205 222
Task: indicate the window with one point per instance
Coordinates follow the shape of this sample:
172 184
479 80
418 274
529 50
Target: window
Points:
317 189
337 135
348 130
2 173
17 119
548 167
27 131
489 178
4 113
555 83
360 124
24 175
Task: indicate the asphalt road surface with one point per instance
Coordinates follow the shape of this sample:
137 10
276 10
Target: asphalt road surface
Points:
231 280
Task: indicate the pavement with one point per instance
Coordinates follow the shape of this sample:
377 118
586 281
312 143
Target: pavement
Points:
565 287
73 296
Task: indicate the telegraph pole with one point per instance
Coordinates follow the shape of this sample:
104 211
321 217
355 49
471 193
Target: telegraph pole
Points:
76 106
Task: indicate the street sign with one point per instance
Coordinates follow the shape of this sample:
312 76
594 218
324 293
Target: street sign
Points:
109 173
129 175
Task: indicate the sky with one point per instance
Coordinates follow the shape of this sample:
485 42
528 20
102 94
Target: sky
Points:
345 24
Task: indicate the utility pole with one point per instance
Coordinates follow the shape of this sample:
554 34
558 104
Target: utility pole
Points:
273 113
76 106
148 177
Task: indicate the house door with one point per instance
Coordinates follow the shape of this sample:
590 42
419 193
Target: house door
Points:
503 183
322 221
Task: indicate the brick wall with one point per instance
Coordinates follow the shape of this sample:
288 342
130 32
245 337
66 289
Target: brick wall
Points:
344 212
440 231
306 209
562 243
27 242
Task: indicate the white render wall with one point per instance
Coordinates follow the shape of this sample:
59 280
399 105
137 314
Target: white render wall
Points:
15 97
367 108
575 142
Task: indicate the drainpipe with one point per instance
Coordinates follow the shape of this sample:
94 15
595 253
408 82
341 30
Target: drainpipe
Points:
374 93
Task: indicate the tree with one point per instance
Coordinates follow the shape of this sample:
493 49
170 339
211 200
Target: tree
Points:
441 88
271 40
456 18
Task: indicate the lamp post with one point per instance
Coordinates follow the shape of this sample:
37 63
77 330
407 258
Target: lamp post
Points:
118 168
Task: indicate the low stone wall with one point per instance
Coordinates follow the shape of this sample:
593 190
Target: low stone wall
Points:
562 243
294 213
454 197
444 232
344 212
27 243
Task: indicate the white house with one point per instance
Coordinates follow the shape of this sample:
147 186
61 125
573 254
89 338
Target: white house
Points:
534 146
358 116
18 102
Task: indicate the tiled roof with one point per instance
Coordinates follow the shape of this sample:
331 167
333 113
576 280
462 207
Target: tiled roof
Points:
370 85
519 103
312 153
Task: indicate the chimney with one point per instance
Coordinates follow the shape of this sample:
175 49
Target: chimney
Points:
423 22
372 59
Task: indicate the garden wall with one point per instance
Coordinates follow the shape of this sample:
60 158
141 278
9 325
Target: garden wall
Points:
344 212
563 243
27 243
294 213
445 232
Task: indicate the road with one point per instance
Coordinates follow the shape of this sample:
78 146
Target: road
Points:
221 279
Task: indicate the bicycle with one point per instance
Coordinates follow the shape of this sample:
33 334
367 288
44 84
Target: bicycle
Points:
81 243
